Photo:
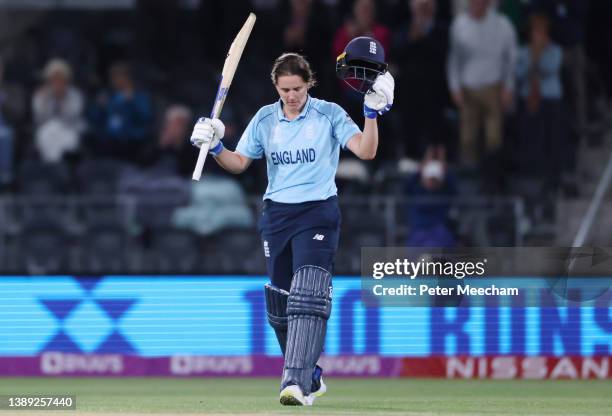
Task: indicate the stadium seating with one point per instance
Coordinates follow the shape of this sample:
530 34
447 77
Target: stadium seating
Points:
104 249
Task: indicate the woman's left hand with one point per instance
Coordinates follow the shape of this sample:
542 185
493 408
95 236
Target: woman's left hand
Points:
380 97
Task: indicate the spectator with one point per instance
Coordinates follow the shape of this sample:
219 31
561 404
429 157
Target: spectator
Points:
567 19
216 204
481 69
420 49
540 90
172 152
568 28
57 108
308 28
361 23
431 187
122 117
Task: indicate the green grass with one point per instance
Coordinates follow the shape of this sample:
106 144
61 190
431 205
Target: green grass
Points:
344 396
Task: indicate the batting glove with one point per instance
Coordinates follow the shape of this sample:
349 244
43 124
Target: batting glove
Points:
379 99
206 131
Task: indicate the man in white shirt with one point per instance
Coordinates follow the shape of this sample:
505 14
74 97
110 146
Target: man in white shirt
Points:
480 73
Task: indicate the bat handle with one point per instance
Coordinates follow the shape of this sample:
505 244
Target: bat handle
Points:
197 172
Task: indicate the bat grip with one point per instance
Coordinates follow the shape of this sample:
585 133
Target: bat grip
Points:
197 172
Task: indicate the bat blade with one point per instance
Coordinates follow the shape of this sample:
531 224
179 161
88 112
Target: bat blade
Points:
227 75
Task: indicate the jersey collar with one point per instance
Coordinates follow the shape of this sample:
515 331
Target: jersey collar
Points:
281 114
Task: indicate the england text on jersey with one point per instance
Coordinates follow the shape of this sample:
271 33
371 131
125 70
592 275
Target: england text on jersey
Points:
293 157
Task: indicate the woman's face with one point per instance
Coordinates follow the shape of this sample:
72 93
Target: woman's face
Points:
293 91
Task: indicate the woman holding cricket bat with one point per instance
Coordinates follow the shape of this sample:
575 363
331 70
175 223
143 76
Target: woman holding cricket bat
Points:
300 137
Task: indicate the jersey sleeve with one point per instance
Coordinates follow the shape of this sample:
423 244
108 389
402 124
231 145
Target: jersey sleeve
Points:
249 144
344 126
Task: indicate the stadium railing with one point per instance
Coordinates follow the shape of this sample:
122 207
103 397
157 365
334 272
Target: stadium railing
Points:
122 234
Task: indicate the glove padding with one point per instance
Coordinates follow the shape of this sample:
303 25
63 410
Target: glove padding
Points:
208 130
380 97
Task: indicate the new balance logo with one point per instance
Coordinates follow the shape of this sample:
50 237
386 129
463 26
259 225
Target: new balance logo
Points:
318 237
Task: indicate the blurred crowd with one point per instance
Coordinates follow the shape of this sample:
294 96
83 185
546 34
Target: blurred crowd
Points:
487 88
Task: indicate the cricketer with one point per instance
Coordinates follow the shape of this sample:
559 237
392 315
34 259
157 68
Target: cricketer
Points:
300 136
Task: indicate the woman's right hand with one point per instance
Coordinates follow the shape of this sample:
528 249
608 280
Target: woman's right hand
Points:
206 131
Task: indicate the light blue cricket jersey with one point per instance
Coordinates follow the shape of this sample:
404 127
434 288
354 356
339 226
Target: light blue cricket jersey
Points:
301 154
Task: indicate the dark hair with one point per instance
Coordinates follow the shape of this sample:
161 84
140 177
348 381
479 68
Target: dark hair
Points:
293 64
121 67
539 19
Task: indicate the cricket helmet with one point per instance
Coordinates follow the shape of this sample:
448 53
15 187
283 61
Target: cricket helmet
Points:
361 62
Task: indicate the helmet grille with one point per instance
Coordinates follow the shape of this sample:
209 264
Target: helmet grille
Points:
358 77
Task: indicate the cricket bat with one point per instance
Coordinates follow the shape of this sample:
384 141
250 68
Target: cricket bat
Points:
227 75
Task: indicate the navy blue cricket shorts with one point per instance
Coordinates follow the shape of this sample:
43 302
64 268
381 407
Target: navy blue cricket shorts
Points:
295 235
